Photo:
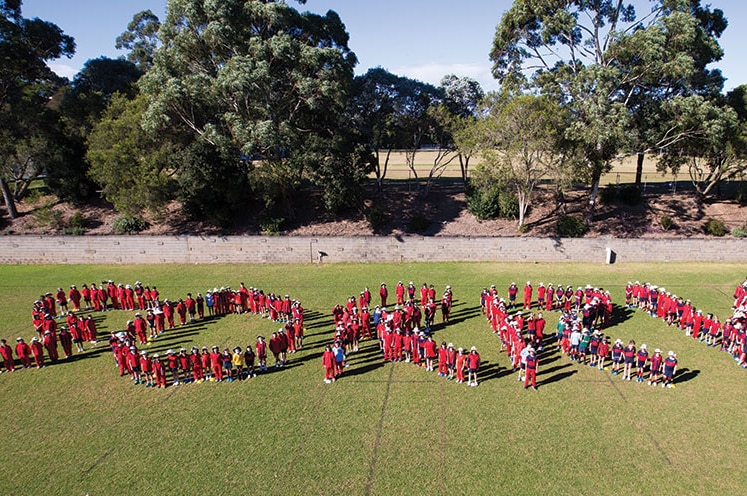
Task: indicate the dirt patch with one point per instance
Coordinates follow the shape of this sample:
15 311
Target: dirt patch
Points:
443 213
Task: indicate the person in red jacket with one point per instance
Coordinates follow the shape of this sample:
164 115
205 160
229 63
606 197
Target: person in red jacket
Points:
146 369
191 306
430 353
261 348
23 351
38 351
532 364
443 360
66 340
528 296
460 364
473 365
197 371
50 343
74 296
159 371
7 353
91 328
216 364
328 362
383 294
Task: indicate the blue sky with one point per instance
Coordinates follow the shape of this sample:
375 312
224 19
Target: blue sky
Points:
421 39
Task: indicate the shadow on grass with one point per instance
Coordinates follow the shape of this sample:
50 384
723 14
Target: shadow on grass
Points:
557 377
686 374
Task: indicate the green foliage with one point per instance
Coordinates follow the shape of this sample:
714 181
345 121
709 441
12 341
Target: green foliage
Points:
484 204
377 218
125 224
667 222
47 216
508 205
418 224
131 166
74 231
141 39
630 195
78 220
715 227
739 232
608 194
572 226
271 226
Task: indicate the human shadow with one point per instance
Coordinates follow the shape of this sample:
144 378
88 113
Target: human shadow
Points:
557 377
686 374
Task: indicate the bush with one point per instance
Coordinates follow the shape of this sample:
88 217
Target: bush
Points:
418 224
630 195
271 225
126 224
508 205
739 232
484 205
46 216
74 231
608 194
571 226
667 223
377 218
715 227
77 220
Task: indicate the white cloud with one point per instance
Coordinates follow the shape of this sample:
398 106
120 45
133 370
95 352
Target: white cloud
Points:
433 73
63 70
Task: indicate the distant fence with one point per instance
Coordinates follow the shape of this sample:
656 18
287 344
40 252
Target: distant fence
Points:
26 249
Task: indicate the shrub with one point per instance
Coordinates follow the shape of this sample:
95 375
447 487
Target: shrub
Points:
739 232
77 220
46 216
715 227
126 224
482 204
630 195
608 194
271 225
508 205
572 226
667 223
377 218
74 231
418 224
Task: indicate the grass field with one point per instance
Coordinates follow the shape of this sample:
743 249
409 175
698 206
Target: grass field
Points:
623 169
78 428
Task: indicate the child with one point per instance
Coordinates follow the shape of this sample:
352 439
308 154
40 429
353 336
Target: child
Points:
173 366
146 368
339 352
641 359
594 343
227 360
328 362
216 364
205 358
450 361
531 369
443 366
628 358
617 356
159 372
670 368
655 367
430 353
238 363
473 365
185 364
249 362
459 365
196 358
261 348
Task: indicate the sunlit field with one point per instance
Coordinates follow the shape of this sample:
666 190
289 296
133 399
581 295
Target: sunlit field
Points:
384 428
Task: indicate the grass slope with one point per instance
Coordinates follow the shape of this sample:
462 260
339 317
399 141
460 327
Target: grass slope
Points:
78 428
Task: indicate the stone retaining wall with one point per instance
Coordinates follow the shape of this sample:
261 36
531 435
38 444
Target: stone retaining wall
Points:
278 249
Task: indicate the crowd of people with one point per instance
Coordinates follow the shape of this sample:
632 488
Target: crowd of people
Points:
404 334
58 322
728 336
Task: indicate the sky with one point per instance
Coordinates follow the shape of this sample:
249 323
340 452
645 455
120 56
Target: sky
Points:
420 39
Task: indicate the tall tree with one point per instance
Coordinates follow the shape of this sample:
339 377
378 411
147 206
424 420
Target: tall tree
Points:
521 144
260 82
595 57
462 97
26 86
141 39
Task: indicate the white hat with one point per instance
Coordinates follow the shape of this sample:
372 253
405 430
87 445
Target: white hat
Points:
671 353
474 348
460 350
643 346
450 345
657 350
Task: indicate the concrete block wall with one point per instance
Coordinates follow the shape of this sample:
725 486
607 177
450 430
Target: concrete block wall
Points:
278 249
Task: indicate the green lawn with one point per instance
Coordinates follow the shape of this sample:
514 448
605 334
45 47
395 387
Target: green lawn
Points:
78 428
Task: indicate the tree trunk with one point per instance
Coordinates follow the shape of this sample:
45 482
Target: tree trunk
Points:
639 169
596 177
10 202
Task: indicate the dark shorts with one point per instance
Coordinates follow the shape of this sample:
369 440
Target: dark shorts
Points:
628 360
